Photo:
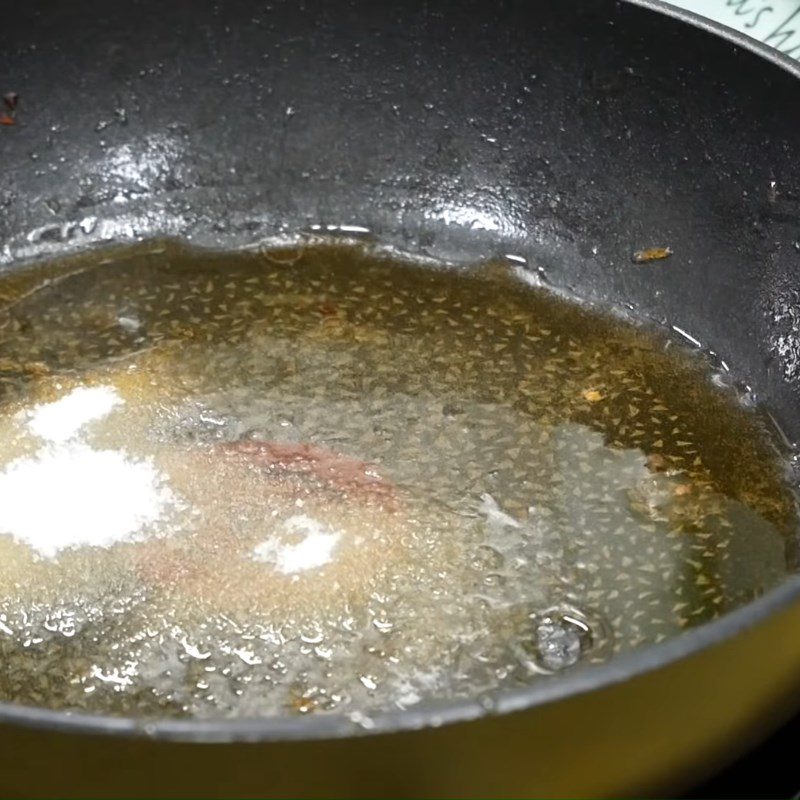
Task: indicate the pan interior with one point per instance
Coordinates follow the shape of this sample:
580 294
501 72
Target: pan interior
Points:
327 479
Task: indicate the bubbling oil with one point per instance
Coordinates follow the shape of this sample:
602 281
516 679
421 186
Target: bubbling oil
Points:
377 484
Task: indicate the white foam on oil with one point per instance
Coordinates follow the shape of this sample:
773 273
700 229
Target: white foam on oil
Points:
71 495
68 494
314 549
64 418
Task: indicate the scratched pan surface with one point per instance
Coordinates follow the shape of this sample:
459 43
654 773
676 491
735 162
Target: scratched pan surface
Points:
570 134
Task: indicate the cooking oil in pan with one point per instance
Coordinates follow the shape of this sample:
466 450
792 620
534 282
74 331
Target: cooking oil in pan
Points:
323 480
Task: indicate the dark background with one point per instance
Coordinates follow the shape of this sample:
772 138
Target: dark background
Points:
768 771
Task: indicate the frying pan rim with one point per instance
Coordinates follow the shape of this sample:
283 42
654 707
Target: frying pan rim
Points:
623 667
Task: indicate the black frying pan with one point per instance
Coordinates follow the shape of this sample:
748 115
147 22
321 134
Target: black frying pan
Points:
568 133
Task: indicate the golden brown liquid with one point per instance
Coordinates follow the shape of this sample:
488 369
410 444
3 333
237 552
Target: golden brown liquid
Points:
516 484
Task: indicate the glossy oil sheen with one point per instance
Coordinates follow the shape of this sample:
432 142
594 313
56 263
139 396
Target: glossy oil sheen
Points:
519 484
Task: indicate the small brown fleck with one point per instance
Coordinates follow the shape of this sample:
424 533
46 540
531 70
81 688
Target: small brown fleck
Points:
6 119
10 99
651 254
302 705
